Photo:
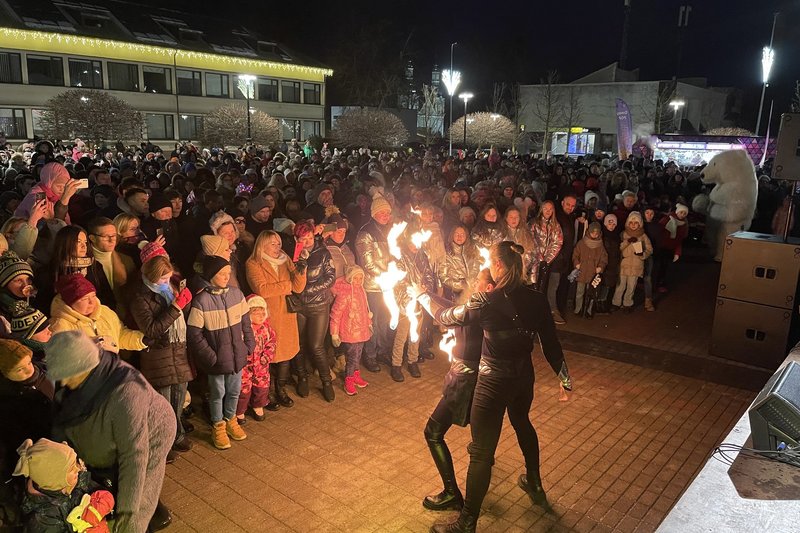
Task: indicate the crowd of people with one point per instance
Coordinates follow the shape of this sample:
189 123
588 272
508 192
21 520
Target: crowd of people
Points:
133 279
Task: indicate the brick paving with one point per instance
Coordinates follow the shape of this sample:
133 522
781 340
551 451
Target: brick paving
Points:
615 457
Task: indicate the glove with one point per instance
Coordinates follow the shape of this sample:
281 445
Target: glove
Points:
336 340
301 267
632 239
563 376
183 298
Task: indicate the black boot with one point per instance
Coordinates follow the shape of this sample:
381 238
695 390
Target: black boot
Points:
161 518
302 376
465 523
535 492
280 388
327 392
273 404
450 497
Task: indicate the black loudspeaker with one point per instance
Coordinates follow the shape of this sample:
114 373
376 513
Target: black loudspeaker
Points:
775 415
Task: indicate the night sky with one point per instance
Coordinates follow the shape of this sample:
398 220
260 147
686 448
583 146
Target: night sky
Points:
520 40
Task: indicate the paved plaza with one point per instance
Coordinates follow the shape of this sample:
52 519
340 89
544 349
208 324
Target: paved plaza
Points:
615 457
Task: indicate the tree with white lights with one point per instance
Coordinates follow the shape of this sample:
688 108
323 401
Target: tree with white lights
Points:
94 116
374 128
485 130
227 126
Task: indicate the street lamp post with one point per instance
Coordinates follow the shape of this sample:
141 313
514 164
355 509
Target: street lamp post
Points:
247 90
767 59
451 80
676 104
465 97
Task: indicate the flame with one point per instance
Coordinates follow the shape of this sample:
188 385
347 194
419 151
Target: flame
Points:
487 262
387 281
416 212
413 320
394 234
448 342
420 237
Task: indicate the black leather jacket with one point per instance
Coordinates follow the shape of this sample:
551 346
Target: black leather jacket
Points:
320 275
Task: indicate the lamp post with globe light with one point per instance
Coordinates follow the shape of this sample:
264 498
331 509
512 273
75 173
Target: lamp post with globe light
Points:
465 97
451 80
246 88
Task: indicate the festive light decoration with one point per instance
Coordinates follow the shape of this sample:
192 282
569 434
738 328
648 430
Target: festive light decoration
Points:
448 343
59 43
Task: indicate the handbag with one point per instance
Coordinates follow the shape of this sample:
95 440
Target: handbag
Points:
293 303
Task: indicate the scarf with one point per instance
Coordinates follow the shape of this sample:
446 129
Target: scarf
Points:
162 289
635 233
275 262
592 243
49 194
75 406
113 267
673 225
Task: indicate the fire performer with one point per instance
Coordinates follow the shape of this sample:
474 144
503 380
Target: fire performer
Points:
463 346
505 376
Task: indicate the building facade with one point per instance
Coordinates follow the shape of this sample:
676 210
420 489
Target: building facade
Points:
172 71
583 112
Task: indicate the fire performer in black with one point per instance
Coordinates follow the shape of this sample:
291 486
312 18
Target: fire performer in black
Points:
454 407
505 376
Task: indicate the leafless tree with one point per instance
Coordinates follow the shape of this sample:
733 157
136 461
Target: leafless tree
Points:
499 93
227 126
486 129
573 112
431 114
94 116
796 98
374 128
517 106
656 109
548 106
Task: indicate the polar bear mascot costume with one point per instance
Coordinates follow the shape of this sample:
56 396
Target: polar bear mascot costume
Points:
732 200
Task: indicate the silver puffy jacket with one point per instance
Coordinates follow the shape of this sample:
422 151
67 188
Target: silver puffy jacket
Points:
460 269
372 253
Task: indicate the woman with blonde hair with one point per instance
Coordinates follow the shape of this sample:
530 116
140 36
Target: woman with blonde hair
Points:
272 275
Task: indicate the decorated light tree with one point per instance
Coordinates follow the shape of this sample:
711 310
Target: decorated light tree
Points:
227 126
486 129
94 116
369 127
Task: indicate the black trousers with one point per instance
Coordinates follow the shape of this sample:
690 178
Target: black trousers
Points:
312 325
496 393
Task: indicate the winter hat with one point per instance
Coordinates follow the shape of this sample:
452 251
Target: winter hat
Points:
26 321
635 216
610 216
73 287
351 272
321 187
219 219
12 266
11 353
213 245
379 203
46 463
257 203
70 353
159 202
281 225
589 195
254 300
594 226
212 265
628 193
681 207
149 250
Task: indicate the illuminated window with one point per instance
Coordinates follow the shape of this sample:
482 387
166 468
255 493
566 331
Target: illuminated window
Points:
86 73
12 123
45 70
217 85
159 126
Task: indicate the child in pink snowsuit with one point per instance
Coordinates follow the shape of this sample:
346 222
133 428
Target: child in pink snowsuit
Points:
255 374
351 324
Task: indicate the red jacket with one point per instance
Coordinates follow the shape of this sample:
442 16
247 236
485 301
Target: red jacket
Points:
668 243
350 315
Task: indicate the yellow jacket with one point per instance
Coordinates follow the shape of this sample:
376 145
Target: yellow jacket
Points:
102 323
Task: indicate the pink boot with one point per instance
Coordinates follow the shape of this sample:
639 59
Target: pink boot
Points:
350 386
360 383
